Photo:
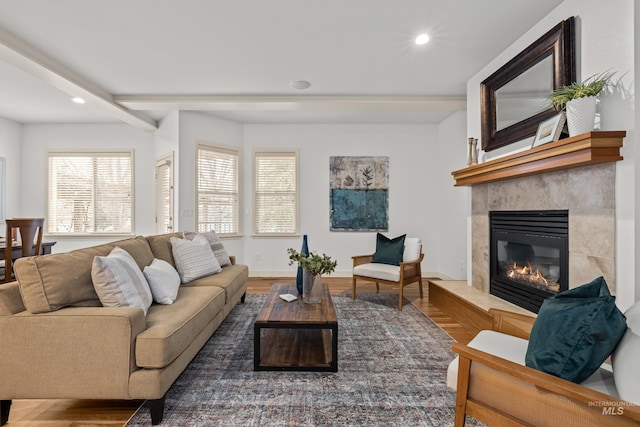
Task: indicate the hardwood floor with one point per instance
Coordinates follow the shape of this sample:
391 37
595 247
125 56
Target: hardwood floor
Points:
75 413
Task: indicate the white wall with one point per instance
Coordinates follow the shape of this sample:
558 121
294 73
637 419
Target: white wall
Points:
11 150
167 141
194 126
452 206
604 41
414 180
38 138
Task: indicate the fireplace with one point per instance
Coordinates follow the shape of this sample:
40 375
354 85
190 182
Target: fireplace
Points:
528 255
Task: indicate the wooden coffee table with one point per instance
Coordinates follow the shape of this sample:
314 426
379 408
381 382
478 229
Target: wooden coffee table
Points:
295 336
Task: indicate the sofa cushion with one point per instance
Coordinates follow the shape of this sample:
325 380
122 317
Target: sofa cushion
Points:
10 299
232 279
575 331
50 282
160 245
378 271
625 358
119 282
194 258
389 251
164 281
172 328
216 246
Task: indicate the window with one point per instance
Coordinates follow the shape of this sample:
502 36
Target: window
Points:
90 193
276 192
164 194
217 183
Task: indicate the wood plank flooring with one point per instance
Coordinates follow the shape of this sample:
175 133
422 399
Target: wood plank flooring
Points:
75 413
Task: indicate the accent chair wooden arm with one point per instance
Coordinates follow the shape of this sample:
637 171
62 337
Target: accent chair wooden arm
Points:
362 259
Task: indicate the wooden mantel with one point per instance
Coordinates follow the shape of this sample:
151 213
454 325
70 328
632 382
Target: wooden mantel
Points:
582 150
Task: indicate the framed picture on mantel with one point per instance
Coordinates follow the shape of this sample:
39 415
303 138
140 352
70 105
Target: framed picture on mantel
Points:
549 130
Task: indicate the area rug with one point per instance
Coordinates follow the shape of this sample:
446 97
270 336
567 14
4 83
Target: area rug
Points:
391 371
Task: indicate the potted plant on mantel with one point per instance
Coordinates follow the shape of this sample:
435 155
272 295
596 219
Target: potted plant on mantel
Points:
579 100
313 267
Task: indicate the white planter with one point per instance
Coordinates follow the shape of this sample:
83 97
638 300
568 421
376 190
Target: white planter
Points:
581 115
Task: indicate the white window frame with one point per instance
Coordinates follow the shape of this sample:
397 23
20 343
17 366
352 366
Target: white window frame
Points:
164 161
278 152
127 153
224 150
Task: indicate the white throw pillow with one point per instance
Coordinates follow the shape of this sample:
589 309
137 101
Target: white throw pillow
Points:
412 247
624 359
216 245
164 281
119 282
194 258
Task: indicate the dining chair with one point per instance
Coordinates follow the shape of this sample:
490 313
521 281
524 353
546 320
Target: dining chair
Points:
30 232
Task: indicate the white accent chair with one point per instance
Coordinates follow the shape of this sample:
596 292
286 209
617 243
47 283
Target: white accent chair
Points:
493 384
408 272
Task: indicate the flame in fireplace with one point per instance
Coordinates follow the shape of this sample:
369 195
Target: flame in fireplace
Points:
526 274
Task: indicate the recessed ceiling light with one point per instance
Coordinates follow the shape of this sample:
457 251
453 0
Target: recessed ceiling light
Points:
422 39
78 100
300 84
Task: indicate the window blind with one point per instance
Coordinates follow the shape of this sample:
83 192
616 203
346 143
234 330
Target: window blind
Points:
276 192
217 189
90 193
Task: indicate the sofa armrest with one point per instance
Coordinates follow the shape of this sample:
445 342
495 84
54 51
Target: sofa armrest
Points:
542 382
75 352
516 324
362 259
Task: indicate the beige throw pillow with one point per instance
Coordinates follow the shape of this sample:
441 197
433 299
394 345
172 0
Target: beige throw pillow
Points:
119 282
216 245
194 258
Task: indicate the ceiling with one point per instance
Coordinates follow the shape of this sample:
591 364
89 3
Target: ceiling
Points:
134 61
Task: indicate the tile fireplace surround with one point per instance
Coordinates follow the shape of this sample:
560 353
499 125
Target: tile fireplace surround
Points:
589 195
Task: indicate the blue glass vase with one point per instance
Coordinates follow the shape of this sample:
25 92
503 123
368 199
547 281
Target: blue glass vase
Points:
304 250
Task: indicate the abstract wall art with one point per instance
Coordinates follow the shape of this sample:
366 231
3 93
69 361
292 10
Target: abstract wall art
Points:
359 193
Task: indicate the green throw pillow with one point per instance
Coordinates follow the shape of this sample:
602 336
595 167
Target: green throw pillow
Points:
576 330
389 251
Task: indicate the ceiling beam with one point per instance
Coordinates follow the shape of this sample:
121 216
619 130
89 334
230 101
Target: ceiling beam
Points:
290 103
20 54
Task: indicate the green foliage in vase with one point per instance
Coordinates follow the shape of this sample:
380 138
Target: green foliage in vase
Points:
590 87
314 263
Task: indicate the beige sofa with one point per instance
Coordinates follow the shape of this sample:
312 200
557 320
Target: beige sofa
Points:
58 342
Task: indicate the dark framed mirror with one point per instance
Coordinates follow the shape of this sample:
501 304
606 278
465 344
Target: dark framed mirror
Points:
513 100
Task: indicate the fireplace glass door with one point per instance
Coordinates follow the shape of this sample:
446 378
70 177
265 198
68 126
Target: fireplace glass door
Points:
529 256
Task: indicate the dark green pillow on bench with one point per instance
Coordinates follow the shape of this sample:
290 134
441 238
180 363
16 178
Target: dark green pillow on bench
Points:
389 251
575 331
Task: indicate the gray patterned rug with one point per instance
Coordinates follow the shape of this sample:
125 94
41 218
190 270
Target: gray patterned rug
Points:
391 371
